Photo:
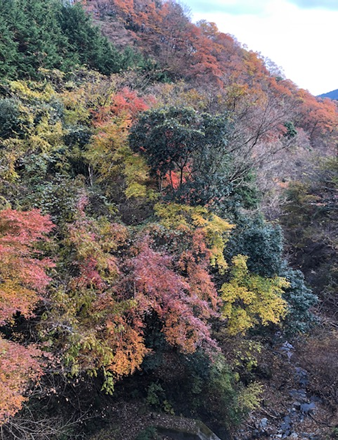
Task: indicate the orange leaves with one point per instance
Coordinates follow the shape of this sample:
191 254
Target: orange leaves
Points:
128 345
195 263
109 153
98 327
116 288
203 55
318 117
18 366
22 280
127 101
23 275
126 6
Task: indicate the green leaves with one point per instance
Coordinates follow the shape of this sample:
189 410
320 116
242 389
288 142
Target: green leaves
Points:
50 34
189 156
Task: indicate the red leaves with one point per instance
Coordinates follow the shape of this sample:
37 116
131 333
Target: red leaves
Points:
317 117
182 304
23 227
104 330
22 280
22 272
18 366
126 104
127 101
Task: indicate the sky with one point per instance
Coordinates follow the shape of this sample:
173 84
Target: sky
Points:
300 36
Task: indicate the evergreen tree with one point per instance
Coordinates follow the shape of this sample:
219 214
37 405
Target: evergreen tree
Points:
87 45
38 36
50 34
8 50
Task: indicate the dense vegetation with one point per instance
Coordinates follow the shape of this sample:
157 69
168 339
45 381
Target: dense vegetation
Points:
54 35
142 186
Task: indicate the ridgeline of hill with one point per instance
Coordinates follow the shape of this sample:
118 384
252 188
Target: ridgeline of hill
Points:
332 95
161 190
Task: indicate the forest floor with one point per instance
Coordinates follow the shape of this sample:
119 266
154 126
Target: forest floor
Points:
290 408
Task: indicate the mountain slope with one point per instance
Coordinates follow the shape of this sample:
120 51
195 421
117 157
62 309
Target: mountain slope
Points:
162 285
332 95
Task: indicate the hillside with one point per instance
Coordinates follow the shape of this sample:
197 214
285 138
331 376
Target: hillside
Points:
332 95
168 230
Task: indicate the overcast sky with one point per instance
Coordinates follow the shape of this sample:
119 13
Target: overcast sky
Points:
301 36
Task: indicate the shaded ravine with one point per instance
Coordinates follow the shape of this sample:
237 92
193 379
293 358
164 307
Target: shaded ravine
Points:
300 408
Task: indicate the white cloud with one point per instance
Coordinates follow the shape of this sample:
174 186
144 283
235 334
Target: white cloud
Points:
235 7
317 4
245 7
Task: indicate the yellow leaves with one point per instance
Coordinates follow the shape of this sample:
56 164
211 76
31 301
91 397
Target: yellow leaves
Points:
75 113
174 216
66 305
235 93
81 101
111 235
216 231
38 125
33 90
111 156
39 144
14 296
52 134
106 150
102 337
10 153
187 219
95 325
136 172
136 190
250 397
250 299
94 241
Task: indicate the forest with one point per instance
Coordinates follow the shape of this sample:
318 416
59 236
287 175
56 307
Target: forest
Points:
168 230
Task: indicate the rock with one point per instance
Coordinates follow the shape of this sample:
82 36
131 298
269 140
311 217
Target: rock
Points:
293 435
286 426
302 377
263 423
286 423
316 399
287 348
297 405
298 394
307 407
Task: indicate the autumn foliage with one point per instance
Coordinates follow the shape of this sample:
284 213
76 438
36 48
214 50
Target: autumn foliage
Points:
23 274
23 283
182 307
157 180
19 366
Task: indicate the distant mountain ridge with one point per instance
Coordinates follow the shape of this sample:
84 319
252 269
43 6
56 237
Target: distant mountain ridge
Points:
332 95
